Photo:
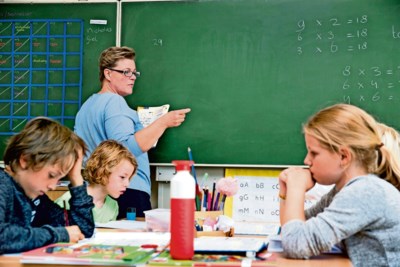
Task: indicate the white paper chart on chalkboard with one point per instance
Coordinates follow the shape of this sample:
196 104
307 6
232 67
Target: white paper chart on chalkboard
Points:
257 199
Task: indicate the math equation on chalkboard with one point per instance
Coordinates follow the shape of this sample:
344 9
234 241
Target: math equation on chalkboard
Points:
352 37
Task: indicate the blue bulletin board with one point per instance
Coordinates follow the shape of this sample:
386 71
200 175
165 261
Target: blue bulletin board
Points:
40 71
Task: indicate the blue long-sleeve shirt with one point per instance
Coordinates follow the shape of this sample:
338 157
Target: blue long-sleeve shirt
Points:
108 116
364 216
26 224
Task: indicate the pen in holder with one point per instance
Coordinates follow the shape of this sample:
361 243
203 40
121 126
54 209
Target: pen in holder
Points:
202 216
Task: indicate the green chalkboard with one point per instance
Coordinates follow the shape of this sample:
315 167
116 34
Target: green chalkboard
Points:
49 60
253 70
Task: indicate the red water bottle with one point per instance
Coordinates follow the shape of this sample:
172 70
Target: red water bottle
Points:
183 192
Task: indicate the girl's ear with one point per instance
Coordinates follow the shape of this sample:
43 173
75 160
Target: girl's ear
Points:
345 156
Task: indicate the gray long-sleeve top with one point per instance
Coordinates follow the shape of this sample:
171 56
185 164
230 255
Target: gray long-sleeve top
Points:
364 215
27 224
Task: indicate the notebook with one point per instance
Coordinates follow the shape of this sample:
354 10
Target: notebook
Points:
230 245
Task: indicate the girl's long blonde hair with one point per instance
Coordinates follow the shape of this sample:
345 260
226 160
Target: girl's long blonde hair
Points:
349 126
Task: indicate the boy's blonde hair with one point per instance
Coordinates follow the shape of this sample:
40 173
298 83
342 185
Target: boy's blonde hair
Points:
104 158
41 142
349 126
110 56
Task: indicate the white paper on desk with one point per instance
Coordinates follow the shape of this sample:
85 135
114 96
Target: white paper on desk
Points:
12 255
256 228
129 238
124 224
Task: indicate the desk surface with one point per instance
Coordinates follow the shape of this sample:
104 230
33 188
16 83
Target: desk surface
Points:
320 261
326 260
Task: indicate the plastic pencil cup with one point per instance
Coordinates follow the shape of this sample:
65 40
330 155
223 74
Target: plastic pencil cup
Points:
131 213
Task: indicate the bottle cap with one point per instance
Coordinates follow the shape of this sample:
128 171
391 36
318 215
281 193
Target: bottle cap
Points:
183 165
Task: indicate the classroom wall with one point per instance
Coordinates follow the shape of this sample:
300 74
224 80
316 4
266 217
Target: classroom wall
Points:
251 75
251 70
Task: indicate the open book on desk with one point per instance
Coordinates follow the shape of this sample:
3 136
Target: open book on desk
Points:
105 248
147 115
88 254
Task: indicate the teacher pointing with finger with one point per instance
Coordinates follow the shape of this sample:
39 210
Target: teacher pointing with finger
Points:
106 115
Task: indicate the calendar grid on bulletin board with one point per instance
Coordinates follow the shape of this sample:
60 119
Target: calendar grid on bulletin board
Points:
40 71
